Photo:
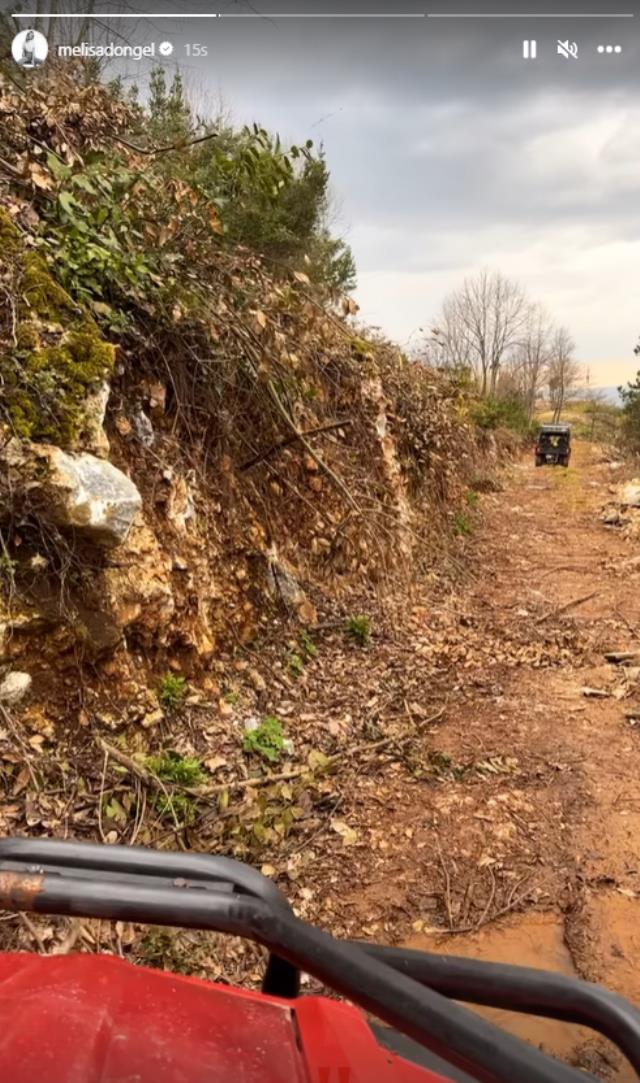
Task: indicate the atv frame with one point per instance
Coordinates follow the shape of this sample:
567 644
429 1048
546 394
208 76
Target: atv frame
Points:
412 992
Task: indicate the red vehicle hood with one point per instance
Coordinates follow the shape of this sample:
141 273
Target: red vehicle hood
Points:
97 1019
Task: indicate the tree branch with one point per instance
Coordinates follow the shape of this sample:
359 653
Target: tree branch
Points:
292 439
179 145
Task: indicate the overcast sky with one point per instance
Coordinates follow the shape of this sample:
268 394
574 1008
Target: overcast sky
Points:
449 152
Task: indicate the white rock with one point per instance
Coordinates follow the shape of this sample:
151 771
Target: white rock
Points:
143 428
629 494
94 408
14 687
90 495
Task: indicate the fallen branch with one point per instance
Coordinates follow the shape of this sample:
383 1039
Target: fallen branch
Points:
149 779
321 464
513 901
292 439
558 611
635 632
447 886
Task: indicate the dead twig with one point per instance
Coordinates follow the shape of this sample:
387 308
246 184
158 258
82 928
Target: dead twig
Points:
513 901
34 932
69 942
635 632
101 794
557 611
181 144
447 886
489 903
320 463
292 439
148 777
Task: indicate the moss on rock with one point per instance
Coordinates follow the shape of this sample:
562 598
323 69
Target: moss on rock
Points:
53 357
9 236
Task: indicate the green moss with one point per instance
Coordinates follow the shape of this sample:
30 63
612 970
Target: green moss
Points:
360 348
9 236
27 337
42 296
58 358
46 389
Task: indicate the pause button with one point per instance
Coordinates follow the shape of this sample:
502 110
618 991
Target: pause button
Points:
529 49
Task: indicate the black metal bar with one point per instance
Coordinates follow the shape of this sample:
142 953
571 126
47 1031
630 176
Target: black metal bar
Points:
78 856
459 1036
521 989
82 859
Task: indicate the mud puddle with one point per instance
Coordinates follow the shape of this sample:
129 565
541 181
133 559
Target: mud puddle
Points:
535 940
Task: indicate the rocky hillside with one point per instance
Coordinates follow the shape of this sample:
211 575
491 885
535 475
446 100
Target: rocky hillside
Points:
213 479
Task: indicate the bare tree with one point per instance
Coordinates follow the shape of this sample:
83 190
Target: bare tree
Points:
480 323
563 371
529 360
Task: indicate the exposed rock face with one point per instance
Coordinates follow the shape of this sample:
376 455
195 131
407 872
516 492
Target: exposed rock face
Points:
95 407
138 589
373 394
283 586
89 495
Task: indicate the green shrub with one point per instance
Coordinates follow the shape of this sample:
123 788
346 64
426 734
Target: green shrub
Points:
267 740
630 395
472 498
507 413
177 807
172 692
172 767
462 525
359 629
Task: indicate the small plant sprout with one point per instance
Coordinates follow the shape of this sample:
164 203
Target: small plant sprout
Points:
307 646
172 767
462 525
172 692
267 740
7 567
296 664
359 629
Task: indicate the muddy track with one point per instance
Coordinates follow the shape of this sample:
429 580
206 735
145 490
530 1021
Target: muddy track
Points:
563 829
479 802
509 827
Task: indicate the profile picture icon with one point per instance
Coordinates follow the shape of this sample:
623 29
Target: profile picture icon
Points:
29 49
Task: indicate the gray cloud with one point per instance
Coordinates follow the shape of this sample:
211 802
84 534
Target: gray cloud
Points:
449 151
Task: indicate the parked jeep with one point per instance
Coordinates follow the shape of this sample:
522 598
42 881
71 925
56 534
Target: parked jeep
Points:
553 445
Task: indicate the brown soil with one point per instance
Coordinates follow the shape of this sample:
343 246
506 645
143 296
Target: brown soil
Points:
479 801
519 839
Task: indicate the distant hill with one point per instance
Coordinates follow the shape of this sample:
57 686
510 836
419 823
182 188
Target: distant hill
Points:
612 395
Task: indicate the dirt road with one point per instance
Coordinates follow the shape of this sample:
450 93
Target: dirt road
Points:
562 824
513 819
478 801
